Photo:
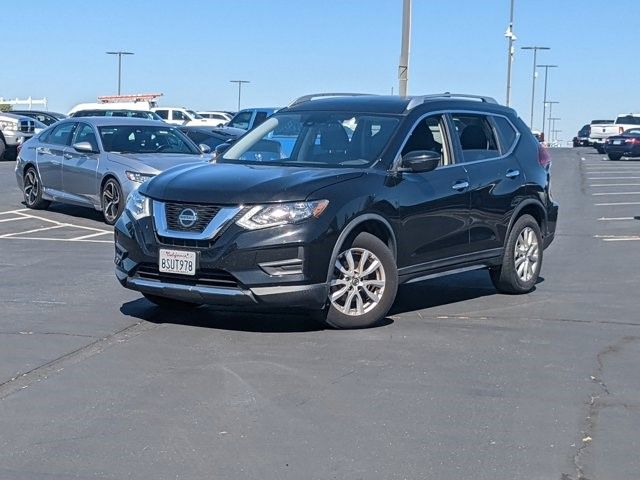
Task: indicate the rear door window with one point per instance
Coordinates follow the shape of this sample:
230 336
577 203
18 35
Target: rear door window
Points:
476 137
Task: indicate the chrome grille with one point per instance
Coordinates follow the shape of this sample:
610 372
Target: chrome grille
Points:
27 126
205 214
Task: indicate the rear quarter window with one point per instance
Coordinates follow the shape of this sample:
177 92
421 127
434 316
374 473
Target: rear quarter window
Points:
507 134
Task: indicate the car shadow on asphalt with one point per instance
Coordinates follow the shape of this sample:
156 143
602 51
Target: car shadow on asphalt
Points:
446 290
221 318
75 211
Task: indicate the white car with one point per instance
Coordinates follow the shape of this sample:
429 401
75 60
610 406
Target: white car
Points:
144 106
222 117
184 117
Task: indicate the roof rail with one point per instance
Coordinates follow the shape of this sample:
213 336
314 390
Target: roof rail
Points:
420 99
306 98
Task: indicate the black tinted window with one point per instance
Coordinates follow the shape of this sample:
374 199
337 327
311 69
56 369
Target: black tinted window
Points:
241 120
506 132
260 118
164 114
477 138
61 135
85 133
628 120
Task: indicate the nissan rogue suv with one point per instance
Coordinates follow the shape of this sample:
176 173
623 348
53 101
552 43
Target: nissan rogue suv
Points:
370 192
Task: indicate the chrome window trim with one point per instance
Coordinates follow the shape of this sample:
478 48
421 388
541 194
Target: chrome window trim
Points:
219 221
398 157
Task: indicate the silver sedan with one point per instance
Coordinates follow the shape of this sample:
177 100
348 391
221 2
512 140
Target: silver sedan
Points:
97 161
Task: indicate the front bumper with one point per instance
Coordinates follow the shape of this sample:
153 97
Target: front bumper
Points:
14 138
281 267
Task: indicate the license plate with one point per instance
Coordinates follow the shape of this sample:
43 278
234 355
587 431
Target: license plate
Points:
617 142
177 261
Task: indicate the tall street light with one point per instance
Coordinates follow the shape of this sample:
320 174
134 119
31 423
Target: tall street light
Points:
239 82
512 38
551 104
120 54
533 86
544 102
403 67
553 125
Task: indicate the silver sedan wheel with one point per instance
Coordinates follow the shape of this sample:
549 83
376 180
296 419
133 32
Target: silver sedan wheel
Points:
526 255
31 188
111 200
358 283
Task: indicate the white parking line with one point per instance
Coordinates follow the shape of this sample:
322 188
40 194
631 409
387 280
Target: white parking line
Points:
13 219
7 235
600 194
56 239
91 235
14 211
615 204
612 178
615 185
65 224
608 219
617 238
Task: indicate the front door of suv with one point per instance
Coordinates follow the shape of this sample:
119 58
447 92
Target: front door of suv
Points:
434 206
485 143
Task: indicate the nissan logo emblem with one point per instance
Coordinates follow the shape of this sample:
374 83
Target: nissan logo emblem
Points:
188 217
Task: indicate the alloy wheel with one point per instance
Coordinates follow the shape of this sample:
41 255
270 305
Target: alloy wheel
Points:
358 283
111 201
31 187
526 254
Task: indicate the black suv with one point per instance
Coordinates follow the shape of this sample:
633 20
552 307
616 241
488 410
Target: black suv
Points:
335 200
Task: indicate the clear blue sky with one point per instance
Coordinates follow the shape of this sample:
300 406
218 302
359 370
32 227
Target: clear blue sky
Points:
190 49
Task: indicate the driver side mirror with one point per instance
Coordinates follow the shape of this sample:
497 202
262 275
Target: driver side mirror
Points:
204 148
420 161
84 147
219 151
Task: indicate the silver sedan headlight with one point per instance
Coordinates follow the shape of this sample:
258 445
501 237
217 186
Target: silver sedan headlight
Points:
263 216
138 177
137 205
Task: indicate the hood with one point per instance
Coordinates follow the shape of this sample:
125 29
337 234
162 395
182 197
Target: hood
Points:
234 184
154 162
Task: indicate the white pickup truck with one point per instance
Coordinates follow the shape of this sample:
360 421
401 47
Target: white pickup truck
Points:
601 131
14 131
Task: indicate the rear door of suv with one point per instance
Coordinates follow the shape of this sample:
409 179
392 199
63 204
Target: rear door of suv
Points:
486 142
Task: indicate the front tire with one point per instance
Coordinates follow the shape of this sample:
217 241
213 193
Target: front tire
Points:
364 284
32 190
522 258
169 303
614 157
112 201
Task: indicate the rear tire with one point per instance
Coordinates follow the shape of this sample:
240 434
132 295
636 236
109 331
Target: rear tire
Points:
522 260
364 284
3 147
170 303
614 157
600 150
32 190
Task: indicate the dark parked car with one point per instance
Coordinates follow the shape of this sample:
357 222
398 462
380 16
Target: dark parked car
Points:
376 191
48 118
625 145
582 139
212 136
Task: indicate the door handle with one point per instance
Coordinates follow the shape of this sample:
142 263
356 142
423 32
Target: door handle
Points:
68 156
460 185
512 173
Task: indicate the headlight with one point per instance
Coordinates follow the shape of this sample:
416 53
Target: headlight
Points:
138 177
137 205
263 216
8 126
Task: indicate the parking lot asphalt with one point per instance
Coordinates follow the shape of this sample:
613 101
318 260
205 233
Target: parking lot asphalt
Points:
460 382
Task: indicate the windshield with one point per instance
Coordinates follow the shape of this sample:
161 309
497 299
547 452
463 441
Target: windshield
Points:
628 120
145 139
315 139
194 114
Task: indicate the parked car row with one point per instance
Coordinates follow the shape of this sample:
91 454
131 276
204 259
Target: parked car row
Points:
606 135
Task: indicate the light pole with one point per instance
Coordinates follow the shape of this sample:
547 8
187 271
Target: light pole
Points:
544 102
512 38
550 103
533 86
120 54
553 125
403 66
239 82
